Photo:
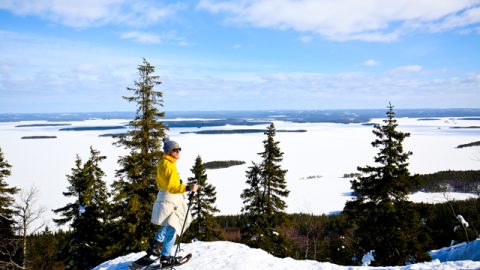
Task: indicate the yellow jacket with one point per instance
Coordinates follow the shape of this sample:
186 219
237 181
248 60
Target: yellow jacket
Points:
167 176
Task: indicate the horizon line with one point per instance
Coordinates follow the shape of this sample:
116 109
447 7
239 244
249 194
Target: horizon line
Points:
246 110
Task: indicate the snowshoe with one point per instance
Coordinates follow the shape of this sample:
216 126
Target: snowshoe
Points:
143 263
169 262
154 248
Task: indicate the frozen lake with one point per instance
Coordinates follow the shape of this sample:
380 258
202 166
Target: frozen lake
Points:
316 160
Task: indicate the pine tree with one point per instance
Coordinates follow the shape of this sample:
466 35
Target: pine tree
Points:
203 206
263 201
383 218
88 215
9 244
135 190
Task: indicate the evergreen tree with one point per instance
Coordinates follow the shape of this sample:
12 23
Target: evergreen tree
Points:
43 250
87 216
263 201
253 205
273 177
9 243
135 190
203 206
384 220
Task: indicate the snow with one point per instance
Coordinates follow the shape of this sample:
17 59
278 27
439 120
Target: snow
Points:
439 197
368 258
462 251
326 151
462 221
229 255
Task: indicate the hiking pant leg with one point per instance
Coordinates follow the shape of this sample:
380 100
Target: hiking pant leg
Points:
169 240
160 235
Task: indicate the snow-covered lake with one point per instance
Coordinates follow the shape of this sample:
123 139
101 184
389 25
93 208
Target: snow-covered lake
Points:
316 160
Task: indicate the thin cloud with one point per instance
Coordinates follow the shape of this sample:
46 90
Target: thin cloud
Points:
323 90
5 69
149 38
371 63
141 37
473 76
93 13
460 20
374 20
406 69
306 39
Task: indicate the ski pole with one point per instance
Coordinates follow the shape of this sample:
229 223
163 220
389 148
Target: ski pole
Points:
190 200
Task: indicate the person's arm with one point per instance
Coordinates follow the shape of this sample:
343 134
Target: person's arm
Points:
174 184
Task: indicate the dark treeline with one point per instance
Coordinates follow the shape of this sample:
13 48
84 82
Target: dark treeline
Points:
220 164
45 250
38 137
469 144
237 131
450 181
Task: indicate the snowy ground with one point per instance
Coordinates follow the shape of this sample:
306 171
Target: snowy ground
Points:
228 255
316 160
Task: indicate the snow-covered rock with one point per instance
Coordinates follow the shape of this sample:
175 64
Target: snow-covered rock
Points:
462 251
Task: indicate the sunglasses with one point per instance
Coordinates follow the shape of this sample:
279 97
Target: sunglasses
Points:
177 150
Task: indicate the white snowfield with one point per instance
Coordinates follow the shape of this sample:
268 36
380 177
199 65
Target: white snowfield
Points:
316 160
439 197
233 256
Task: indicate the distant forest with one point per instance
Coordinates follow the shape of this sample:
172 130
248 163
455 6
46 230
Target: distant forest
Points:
451 181
238 131
469 144
222 164
38 137
220 118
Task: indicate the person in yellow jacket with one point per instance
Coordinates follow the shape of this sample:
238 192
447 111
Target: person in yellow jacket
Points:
170 209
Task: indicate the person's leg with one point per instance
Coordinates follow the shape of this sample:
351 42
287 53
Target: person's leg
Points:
169 240
160 235
154 249
155 245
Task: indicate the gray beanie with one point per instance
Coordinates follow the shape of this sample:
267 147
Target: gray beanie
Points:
169 145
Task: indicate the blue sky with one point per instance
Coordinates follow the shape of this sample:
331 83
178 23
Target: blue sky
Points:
79 56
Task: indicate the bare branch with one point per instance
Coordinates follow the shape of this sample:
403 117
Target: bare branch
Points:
27 215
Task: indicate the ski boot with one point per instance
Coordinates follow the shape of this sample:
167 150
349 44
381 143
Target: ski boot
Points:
154 248
153 252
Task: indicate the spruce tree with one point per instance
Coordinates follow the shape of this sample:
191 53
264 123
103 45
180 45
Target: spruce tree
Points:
87 215
263 201
203 206
253 205
273 177
384 220
43 250
9 244
135 190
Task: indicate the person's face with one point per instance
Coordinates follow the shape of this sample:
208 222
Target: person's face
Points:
175 153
